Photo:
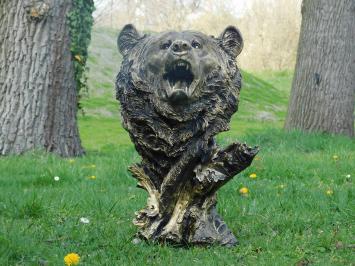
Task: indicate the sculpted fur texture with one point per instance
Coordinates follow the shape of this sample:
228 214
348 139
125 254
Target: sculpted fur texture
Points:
177 91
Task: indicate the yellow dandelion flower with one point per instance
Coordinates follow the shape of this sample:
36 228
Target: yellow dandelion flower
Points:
92 177
78 58
252 176
329 192
71 259
244 191
335 157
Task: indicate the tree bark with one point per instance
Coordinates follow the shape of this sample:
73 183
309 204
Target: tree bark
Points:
38 95
323 89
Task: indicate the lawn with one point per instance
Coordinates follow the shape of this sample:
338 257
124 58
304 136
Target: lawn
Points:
299 209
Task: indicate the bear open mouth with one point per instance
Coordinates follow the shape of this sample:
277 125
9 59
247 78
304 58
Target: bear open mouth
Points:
179 77
179 74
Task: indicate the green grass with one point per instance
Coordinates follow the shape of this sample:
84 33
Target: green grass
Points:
287 218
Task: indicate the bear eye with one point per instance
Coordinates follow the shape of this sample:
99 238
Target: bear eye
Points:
195 44
165 45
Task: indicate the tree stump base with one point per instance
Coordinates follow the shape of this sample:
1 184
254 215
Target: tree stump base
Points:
187 214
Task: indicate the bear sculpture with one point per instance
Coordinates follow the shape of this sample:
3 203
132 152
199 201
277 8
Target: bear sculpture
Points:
177 91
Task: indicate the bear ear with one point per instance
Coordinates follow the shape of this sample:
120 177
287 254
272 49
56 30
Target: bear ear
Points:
127 39
231 41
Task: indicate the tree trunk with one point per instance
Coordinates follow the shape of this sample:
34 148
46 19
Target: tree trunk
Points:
323 89
38 96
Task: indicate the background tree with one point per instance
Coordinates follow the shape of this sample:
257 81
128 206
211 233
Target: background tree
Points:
38 76
323 90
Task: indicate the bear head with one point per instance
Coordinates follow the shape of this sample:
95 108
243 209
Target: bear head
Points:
174 86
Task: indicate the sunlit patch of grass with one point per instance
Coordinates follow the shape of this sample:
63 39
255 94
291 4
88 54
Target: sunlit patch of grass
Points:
106 134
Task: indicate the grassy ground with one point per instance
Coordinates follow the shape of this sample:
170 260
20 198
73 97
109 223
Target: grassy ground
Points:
300 208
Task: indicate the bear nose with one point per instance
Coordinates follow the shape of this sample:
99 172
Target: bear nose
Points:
180 46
